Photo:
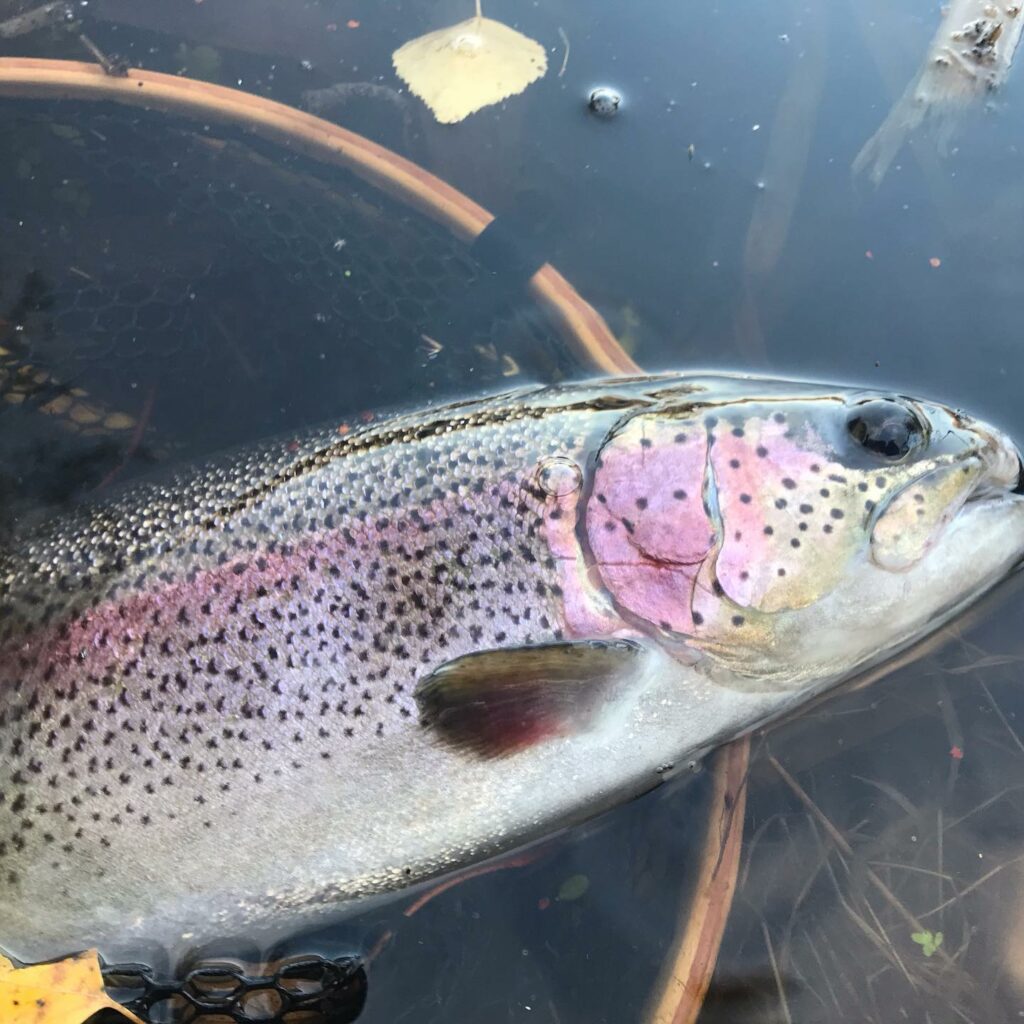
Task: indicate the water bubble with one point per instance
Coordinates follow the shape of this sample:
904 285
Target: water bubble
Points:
604 101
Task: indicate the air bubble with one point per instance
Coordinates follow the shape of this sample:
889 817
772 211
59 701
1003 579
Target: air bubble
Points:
604 101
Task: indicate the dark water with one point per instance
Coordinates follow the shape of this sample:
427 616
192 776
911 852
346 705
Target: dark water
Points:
205 288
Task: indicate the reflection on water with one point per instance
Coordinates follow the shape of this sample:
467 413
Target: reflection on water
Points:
167 289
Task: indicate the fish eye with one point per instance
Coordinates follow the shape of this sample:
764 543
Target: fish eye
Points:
885 428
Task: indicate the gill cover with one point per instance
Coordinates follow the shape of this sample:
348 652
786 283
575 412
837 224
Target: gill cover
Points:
704 518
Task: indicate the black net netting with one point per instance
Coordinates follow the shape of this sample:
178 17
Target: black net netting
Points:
305 989
169 288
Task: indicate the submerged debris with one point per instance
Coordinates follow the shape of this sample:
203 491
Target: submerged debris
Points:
969 57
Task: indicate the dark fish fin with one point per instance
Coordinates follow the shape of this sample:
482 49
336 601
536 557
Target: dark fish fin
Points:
495 703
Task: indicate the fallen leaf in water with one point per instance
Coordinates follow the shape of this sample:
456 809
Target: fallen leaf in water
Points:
66 992
573 888
460 69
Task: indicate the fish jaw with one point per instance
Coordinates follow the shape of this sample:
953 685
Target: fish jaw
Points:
980 547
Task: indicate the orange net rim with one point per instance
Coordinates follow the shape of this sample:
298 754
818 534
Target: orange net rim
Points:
41 78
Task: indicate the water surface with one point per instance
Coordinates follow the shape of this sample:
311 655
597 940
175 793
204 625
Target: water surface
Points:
214 289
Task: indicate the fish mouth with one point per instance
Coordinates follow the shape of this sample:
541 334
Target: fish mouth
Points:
1018 487
1004 468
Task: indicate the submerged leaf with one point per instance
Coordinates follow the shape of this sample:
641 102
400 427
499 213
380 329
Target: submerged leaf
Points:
65 992
573 888
459 69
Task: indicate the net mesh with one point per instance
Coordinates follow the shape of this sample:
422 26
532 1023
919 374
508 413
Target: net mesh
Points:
169 288
308 989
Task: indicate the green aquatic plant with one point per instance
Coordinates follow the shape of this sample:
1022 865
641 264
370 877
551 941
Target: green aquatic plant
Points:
928 941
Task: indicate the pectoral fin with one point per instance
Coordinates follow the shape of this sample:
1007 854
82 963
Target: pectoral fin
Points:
495 703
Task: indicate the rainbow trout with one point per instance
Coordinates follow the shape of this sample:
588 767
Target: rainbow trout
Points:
257 691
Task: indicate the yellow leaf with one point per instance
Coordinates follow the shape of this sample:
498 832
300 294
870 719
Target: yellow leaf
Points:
66 992
459 69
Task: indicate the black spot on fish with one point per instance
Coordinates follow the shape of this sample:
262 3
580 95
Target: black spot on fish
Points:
641 503
794 543
806 509
679 495
788 483
698 619
737 431
734 463
745 498
768 531
781 503
738 620
761 451
836 513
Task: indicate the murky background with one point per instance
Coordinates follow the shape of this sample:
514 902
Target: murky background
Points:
198 288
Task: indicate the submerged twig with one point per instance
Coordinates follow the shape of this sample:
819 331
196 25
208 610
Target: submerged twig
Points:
780 988
837 837
1002 718
977 883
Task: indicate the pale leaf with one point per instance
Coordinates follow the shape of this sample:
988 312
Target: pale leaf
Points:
459 69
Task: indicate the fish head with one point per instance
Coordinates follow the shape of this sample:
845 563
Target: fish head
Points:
792 533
